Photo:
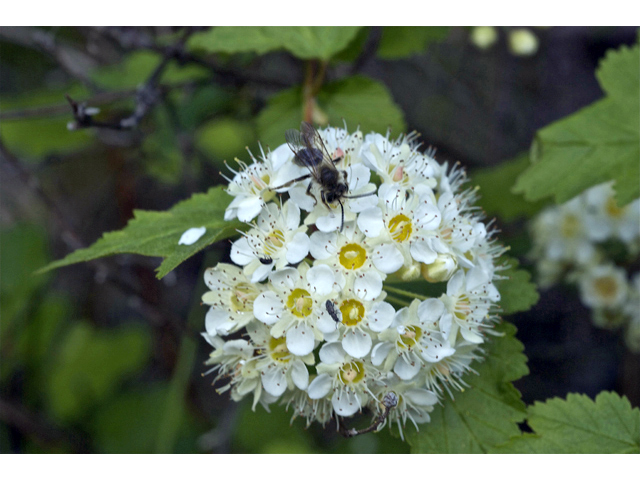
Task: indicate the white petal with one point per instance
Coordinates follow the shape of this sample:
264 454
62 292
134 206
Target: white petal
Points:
300 339
241 253
298 194
332 353
476 277
250 208
320 386
357 344
471 336
274 381
404 370
421 397
380 352
300 374
421 251
214 319
267 308
322 245
455 283
293 215
445 324
368 286
370 221
430 310
358 176
237 347
345 403
191 236
331 222
381 316
357 205
297 247
321 279
428 216
261 273
388 258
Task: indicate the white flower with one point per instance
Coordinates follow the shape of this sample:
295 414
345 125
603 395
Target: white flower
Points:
276 241
344 378
469 299
405 228
402 169
360 321
294 303
414 402
350 255
607 220
231 299
603 286
414 339
253 185
279 368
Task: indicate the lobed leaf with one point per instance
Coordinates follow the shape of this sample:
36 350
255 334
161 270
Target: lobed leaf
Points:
157 234
598 143
580 425
517 292
303 42
496 197
485 414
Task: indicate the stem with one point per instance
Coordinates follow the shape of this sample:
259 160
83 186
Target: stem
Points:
404 293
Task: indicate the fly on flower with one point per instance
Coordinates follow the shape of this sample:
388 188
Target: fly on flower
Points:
310 151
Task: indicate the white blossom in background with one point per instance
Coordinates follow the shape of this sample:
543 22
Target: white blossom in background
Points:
303 316
574 243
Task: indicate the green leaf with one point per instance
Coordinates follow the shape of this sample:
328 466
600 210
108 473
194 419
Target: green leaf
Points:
485 414
156 234
303 42
580 425
358 100
495 185
90 364
598 143
517 292
398 42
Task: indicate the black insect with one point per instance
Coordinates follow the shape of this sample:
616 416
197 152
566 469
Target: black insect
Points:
332 311
265 260
309 151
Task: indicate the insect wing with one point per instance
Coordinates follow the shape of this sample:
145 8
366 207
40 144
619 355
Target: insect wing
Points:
311 135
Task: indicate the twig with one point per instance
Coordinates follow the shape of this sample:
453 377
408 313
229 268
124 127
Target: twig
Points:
389 401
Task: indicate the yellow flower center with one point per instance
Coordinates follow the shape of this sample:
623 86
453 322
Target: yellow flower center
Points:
400 228
612 208
273 242
243 296
352 256
606 287
352 312
462 307
570 226
278 349
300 303
410 337
352 372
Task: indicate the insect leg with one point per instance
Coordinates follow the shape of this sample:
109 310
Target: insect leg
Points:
315 200
291 182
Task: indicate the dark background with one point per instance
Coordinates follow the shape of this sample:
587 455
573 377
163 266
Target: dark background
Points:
61 190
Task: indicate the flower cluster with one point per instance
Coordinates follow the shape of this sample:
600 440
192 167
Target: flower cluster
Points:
584 242
315 328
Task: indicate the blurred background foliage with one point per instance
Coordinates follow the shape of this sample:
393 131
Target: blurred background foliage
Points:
102 357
